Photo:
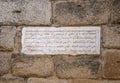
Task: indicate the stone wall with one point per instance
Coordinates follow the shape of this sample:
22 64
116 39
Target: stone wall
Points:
16 67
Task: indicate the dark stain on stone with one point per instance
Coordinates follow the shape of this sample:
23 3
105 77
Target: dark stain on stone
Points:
16 11
94 66
3 49
118 61
0 30
92 63
116 2
79 5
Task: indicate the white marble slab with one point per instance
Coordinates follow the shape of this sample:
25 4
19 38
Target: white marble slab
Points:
61 40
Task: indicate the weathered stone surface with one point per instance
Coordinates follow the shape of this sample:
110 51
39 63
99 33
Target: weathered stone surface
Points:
95 81
12 80
4 63
111 36
28 12
31 66
115 12
7 34
17 40
81 12
77 67
41 80
111 68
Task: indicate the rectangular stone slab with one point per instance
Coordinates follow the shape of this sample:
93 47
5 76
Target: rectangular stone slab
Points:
61 40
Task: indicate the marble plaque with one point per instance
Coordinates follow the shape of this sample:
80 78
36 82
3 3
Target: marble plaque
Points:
61 40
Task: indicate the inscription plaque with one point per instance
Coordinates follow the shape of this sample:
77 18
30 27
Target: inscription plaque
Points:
61 40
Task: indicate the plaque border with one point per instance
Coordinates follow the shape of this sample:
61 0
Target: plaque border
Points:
98 35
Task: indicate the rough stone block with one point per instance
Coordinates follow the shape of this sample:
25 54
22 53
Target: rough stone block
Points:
41 80
27 12
81 12
88 81
111 68
77 67
7 34
115 12
31 66
95 81
4 63
12 80
111 36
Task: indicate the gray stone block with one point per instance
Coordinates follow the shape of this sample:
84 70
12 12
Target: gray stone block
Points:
7 35
31 66
5 62
27 12
111 36
81 12
77 67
